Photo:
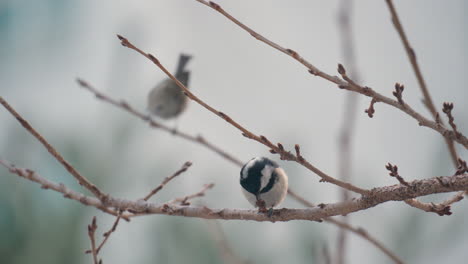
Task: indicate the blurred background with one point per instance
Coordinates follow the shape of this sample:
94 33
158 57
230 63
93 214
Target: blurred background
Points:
46 44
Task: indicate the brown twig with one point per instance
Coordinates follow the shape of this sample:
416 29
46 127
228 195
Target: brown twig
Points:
355 230
285 155
363 233
393 169
91 233
227 254
80 178
371 110
185 200
58 187
440 208
422 83
168 179
106 235
344 84
128 108
447 109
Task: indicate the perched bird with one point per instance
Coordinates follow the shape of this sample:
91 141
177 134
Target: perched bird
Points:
167 100
263 182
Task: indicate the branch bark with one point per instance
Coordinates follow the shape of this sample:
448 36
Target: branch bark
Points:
346 84
376 196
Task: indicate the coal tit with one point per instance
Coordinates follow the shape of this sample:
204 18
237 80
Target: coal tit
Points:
263 182
167 100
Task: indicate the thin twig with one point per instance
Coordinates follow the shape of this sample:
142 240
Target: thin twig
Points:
168 179
440 208
344 84
58 187
355 230
91 233
147 118
107 235
447 109
80 178
228 255
417 71
285 155
363 233
184 200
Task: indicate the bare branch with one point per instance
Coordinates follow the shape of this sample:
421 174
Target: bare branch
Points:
447 109
393 169
128 108
376 196
58 187
168 179
355 230
80 178
347 84
363 233
285 155
184 200
440 209
106 235
227 254
422 83
91 233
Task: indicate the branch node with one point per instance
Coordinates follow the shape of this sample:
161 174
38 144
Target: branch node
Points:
341 70
215 6
398 93
393 169
371 110
447 109
462 167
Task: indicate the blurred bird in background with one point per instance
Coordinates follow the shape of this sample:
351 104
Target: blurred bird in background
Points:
167 100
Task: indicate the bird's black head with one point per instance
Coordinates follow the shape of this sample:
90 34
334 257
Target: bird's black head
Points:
255 179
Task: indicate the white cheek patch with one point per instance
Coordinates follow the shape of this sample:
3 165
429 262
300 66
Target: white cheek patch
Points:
266 176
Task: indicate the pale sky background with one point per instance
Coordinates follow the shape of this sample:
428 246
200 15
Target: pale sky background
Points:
46 44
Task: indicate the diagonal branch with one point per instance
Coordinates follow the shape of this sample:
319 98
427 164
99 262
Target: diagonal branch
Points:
285 155
131 110
58 187
417 71
80 178
355 230
168 179
346 84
